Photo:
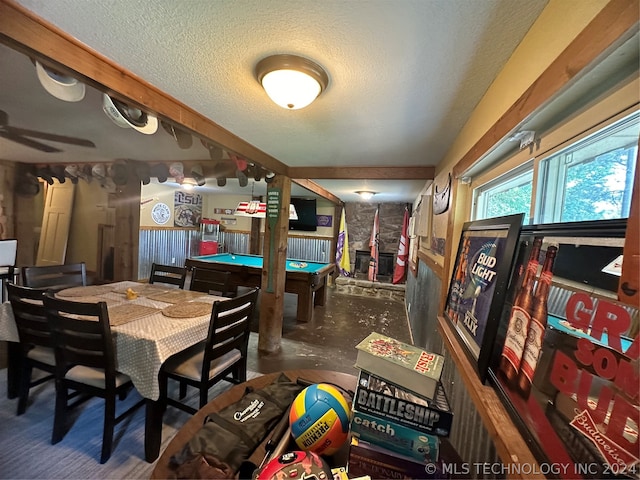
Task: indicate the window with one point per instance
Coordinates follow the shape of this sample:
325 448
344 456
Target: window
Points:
506 195
592 179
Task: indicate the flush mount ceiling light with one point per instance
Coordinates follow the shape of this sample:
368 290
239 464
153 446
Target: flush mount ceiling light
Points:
290 81
366 194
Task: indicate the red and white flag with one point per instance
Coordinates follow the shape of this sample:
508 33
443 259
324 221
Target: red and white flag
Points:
373 243
400 270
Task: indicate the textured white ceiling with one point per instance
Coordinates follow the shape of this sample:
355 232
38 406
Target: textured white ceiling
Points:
404 75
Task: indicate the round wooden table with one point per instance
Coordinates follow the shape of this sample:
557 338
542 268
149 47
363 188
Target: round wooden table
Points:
189 429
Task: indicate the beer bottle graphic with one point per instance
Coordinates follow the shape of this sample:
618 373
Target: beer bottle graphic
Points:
519 317
537 325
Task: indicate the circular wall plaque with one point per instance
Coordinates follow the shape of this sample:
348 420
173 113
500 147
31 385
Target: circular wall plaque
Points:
160 213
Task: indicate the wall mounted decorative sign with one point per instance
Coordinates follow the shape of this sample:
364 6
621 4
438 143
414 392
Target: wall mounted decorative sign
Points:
187 209
573 388
441 197
324 220
479 282
160 213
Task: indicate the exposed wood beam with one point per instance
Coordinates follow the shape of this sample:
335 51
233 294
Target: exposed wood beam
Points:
22 30
363 173
615 23
317 189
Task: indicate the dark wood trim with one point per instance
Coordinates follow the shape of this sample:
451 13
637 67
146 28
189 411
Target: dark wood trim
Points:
510 445
616 22
364 173
317 189
23 30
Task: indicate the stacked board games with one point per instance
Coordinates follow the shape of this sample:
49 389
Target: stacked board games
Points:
400 408
409 367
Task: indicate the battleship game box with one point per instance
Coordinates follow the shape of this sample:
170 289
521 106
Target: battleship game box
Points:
376 396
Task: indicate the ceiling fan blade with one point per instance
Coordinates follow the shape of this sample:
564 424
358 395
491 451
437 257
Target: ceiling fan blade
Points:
29 143
52 137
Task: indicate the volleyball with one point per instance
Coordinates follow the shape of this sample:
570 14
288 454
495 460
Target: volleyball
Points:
319 419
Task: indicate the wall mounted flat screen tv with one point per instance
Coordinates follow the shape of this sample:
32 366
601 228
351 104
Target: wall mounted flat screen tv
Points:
306 209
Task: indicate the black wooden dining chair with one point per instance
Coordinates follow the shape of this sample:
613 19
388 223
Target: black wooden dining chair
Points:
55 277
36 347
85 362
169 274
223 356
214 282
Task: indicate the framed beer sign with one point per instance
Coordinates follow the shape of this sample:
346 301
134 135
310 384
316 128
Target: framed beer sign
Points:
479 282
566 362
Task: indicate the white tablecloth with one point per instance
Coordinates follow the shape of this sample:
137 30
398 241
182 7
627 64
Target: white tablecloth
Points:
142 345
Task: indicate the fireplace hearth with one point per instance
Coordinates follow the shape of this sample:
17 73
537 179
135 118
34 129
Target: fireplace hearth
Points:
385 265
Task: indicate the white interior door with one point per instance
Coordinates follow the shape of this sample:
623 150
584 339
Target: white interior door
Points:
56 220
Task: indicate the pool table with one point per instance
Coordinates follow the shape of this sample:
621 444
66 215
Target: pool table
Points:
306 279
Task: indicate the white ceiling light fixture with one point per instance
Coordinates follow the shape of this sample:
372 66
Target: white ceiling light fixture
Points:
366 194
291 81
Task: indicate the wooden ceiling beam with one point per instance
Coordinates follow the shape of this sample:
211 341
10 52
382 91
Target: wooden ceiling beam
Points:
24 31
363 173
317 189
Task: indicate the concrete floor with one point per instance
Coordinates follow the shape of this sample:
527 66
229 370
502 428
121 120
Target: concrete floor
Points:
328 341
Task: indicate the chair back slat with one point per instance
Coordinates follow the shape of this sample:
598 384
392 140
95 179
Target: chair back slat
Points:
229 328
30 316
210 281
55 276
81 334
169 274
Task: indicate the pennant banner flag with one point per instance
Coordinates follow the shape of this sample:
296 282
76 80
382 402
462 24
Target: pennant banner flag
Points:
342 250
400 269
373 243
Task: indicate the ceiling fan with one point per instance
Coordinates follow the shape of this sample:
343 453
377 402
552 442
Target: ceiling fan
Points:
19 135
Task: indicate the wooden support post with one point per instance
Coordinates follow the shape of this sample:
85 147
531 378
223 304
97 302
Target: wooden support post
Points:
126 201
274 265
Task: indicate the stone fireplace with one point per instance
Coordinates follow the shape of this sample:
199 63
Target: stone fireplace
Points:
385 265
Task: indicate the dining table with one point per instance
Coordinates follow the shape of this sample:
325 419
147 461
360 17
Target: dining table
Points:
149 323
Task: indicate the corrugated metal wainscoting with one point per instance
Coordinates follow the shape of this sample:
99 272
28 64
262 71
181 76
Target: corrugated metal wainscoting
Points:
309 249
468 435
165 246
174 246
